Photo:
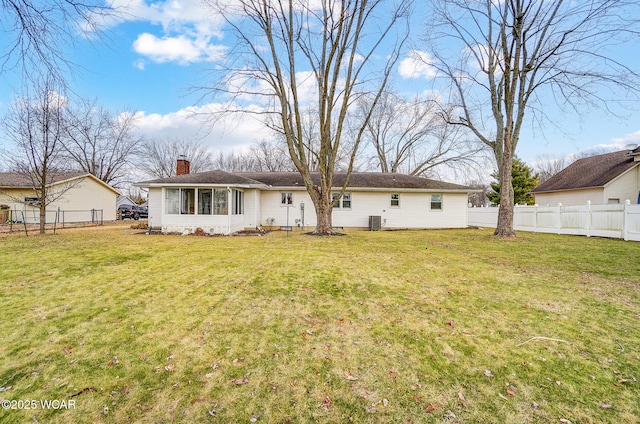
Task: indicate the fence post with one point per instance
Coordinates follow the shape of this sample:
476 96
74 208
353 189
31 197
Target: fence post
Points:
625 220
588 218
559 218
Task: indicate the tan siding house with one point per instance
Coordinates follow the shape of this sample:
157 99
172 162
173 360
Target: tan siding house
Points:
609 178
80 193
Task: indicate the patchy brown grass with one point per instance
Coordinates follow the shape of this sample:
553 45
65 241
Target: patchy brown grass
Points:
427 326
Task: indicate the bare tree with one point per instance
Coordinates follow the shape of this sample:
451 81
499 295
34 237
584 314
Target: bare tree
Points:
409 136
101 143
547 166
234 161
270 157
158 156
296 53
516 51
35 127
35 32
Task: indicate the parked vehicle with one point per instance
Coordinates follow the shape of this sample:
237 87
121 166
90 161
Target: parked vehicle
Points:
133 212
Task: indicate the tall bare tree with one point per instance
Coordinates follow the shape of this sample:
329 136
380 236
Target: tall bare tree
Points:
35 127
410 136
35 33
509 54
101 143
270 156
158 156
327 53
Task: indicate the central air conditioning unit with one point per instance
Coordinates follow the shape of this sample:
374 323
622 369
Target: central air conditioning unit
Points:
375 223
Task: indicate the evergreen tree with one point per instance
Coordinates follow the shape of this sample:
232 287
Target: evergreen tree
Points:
523 180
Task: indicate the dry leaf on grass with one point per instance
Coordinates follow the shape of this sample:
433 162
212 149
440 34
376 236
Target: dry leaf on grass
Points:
241 381
113 361
488 373
326 403
350 376
463 401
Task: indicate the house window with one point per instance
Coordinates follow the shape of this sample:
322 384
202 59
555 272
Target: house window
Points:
286 198
188 201
436 202
344 203
172 201
238 202
32 201
334 196
395 200
204 201
220 201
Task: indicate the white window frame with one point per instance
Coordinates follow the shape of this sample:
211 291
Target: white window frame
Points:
440 202
286 198
397 200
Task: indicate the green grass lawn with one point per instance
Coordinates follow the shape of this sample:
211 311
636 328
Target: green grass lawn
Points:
374 327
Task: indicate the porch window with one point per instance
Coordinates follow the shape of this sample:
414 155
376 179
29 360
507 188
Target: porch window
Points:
204 201
237 207
188 203
172 201
436 202
220 201
395 200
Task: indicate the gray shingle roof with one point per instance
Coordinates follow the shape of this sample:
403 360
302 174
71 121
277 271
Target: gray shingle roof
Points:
356 180
20 180
294 179
209 177
594 171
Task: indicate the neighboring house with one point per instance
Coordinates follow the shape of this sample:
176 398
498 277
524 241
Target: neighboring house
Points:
222 203
124 200
609 178
84 192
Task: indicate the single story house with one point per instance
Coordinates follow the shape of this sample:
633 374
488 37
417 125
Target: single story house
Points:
602 179
76 194
221 202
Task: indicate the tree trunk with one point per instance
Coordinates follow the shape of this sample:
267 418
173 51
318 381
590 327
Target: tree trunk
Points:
43 216
505 213
324 209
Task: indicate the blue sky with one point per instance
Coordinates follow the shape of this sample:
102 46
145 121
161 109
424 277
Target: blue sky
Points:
150 59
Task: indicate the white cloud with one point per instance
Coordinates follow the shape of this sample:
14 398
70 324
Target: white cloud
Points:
186 30
230 132
178 49
417 65
629 139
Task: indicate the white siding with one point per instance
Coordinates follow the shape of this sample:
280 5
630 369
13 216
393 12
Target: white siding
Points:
571 197
251 208
155 198
271 207
414 210
625 187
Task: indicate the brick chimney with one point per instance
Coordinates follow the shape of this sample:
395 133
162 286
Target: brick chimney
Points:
183 165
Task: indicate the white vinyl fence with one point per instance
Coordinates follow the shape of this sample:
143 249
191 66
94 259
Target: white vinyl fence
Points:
614 220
